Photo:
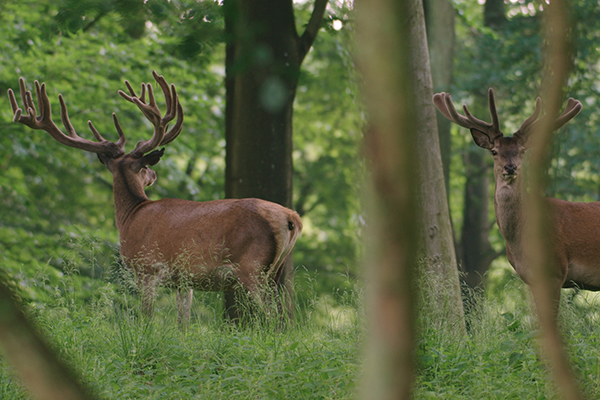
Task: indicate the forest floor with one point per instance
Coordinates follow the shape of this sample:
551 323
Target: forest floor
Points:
122 355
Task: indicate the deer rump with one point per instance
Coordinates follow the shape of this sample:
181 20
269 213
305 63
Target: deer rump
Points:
218 246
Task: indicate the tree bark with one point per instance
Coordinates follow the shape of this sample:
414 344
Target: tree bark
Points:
439 18
558 64
494 13
408 211
390 143
435 234
263 57
476 252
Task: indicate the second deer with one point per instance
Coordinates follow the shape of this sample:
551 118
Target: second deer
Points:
575 227
214 245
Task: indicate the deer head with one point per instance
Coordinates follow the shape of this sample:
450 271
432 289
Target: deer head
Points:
508 151
131 167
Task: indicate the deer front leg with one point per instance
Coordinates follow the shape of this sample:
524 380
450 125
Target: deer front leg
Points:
185 296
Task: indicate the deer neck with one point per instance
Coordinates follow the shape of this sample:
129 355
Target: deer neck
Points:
129 195
508 205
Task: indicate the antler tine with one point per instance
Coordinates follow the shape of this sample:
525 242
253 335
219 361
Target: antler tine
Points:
443 101
439 101
526 125
64 116
174 132
493 111
27 98
454 115
44 121
121 142
572 108
153 114
491 129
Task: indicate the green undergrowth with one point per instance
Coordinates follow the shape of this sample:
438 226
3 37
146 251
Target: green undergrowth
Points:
500 356
121 354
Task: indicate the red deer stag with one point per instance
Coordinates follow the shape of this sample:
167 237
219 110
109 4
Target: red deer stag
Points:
214 245
575 227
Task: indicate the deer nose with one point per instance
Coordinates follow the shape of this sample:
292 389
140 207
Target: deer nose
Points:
510 169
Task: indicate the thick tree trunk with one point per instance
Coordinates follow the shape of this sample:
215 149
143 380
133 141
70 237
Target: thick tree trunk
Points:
263 58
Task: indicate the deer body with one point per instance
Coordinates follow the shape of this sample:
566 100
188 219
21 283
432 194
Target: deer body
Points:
248 238
573 228
216 245
574 231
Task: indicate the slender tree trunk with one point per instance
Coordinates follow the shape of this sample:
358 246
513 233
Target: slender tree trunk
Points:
557 67
408 211
439 17
436 237
263 57
383 36
475 249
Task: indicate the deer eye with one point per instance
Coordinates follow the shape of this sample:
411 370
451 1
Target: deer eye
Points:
494 152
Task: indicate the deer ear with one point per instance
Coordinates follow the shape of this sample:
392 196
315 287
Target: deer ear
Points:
481 139
104 158
152 158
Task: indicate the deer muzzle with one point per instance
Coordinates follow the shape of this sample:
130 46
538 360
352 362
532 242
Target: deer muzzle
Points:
509 172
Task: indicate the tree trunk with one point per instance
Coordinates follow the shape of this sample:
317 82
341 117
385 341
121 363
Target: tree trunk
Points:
439 17
436 238
557 67
475 249
494 13
263 58
409 210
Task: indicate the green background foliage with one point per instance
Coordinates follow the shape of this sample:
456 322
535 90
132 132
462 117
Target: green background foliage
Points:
54 198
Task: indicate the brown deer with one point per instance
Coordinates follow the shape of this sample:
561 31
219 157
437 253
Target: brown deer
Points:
575 227
216 245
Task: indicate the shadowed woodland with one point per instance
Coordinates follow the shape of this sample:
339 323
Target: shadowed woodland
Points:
399 286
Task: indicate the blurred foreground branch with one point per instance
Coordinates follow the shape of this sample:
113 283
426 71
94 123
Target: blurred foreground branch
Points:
38 367
556 71
391 146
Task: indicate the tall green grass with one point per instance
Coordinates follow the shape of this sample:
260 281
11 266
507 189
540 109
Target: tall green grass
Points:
123 355
500 357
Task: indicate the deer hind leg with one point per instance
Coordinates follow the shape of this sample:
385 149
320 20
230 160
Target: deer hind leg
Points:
262 294
185 296
245 296
148 285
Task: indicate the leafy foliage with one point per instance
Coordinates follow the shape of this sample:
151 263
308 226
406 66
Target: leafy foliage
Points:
52 196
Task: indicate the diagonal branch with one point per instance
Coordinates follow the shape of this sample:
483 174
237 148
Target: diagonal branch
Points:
312 28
